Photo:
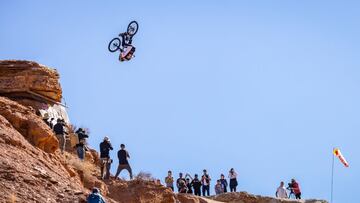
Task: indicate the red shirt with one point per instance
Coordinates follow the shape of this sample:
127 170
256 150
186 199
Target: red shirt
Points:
296 188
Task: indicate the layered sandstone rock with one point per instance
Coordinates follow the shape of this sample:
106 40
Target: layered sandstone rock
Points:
140 191
21 78
28 124
29 174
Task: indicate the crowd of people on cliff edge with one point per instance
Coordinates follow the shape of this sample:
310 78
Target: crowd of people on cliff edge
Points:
201 186
198 186
184 184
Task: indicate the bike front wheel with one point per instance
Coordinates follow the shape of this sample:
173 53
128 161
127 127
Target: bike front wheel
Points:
132 28
114 44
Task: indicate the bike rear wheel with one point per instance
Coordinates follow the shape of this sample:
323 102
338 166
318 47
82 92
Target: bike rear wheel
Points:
114 44
132 28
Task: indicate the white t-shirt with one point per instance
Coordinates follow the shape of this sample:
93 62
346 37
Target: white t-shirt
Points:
203 180
233 175
281 192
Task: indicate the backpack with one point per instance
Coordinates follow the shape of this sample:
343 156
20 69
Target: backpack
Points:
94 198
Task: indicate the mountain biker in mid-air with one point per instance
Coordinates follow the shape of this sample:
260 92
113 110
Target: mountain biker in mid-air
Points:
125 43
127 50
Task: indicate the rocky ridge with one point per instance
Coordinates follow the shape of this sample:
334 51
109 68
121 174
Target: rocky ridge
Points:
33 170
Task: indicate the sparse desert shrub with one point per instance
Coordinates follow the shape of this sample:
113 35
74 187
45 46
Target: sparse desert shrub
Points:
84 169
144 176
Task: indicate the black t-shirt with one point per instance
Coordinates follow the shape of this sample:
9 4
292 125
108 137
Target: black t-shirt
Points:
82 135
123 155
59 129
189 188
105 148
196 184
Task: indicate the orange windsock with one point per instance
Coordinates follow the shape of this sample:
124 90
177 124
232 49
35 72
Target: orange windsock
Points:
341 157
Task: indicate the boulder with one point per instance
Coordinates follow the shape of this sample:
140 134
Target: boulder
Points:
28 124
27 79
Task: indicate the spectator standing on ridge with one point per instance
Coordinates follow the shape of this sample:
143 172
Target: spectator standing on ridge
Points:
169 181
195 183
224 183
179 180
123 156
296 188
281 191
95 197
60 133
205 181
81 134
233 180
219 188
105 148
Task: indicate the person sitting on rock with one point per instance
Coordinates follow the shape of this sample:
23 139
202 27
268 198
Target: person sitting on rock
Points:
95 197
169 181
105 148
123 156
60 133
219 188
181 178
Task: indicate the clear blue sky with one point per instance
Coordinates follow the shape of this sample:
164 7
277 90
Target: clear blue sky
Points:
266 87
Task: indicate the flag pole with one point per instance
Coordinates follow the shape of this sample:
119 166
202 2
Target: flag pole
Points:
332 176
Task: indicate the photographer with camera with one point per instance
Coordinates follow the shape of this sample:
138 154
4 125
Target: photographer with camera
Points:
294 189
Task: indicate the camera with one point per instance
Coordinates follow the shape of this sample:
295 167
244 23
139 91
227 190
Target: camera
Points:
290 187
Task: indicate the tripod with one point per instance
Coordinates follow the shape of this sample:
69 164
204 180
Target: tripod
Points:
291 195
